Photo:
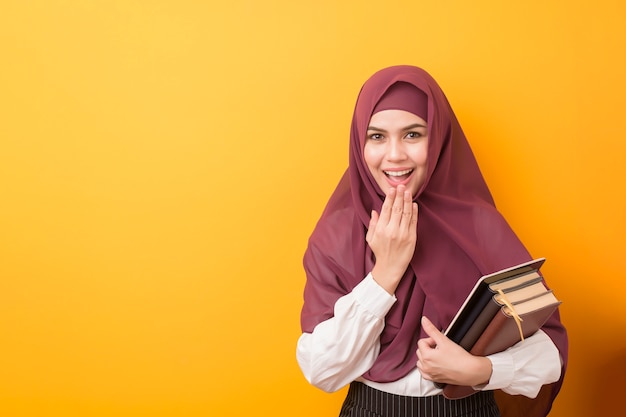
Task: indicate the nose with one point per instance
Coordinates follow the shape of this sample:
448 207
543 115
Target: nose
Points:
396 151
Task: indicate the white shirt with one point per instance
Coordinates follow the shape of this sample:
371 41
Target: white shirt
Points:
344 347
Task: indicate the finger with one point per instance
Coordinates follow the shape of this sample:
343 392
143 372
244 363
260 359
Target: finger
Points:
423 371
385 211
398 204
426 344
407 210
372 225
374 219
432 331
415 213
413 225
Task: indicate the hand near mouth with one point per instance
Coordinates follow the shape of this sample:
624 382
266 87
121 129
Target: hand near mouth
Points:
392 235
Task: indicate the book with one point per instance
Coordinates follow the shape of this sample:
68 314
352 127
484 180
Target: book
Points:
502 309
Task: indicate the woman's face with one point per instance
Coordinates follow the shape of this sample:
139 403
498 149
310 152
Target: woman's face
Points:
396 149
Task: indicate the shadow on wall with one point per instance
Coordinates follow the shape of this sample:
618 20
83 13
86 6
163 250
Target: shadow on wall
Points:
607 386
604 390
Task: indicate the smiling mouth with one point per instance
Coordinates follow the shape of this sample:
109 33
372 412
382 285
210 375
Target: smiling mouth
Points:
398 175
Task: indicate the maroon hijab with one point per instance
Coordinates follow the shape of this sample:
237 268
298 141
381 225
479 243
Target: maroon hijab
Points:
461 235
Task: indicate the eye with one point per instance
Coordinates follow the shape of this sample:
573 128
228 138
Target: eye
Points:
375 136
413 135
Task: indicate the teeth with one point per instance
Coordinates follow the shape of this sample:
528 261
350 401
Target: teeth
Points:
398 173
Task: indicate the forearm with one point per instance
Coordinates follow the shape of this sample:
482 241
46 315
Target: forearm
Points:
526 367
344 347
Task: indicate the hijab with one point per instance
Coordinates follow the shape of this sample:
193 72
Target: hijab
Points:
460 233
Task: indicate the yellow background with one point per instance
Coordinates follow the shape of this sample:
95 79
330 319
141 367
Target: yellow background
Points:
162 164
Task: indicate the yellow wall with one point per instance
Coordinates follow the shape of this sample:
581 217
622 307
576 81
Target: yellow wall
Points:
163 162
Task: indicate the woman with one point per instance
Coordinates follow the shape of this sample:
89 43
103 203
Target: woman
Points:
402 241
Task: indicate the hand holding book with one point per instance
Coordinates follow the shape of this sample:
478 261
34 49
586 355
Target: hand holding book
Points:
441 360
501 310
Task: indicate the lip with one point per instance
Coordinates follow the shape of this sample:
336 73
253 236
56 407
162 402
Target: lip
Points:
393 181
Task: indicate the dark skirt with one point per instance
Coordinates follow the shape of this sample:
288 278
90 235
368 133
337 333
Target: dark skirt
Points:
364 401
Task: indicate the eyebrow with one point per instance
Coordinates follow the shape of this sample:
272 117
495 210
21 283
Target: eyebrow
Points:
409 127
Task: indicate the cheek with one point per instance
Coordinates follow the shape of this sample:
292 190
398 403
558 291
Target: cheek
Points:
371 156
420 154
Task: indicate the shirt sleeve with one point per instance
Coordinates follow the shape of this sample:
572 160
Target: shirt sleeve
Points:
344 347
525 367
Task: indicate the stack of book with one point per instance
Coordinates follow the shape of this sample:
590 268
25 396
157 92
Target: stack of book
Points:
502 309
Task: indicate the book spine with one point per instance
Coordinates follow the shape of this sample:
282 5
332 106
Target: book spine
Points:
479 325
470 313
496 336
